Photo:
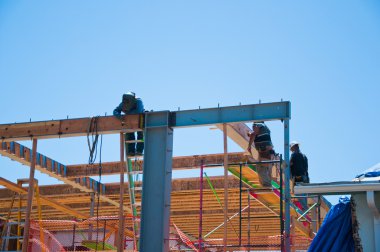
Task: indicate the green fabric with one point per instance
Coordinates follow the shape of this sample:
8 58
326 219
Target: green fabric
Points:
92 245
213 189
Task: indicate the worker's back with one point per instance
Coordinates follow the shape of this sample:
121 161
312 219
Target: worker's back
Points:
299 164
263 138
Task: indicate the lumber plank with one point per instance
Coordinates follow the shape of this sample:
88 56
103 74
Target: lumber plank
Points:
238 133
179 163
15 188
69 127
22 154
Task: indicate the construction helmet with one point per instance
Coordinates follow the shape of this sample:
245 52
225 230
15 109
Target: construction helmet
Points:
129 95
129 101
293 143
258 124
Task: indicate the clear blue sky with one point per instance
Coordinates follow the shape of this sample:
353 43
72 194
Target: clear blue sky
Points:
76 58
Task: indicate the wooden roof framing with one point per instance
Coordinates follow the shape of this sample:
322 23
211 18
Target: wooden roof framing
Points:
184 206
185 192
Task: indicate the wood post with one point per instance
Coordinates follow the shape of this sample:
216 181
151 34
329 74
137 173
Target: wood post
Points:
30 197
120 245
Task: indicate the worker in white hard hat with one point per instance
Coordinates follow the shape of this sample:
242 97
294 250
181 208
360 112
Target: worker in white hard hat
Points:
298 164
131 105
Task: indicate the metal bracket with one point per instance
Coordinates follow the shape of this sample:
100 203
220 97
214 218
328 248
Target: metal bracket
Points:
372 205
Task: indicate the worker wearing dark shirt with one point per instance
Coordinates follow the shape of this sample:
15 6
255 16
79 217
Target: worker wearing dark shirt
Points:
263 144
298 164
131 105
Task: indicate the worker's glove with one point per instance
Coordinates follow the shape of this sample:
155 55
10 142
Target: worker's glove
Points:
249 149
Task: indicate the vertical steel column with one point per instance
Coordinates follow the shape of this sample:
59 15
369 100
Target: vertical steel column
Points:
120 244
287 185
200 207
240 191
25 242
225 186
281 205
157 177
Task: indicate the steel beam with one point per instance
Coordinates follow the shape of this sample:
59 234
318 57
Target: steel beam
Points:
232 114
132 123
225 206
158 154
337 188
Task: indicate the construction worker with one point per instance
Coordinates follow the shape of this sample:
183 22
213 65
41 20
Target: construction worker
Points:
263 144
131 105
298 164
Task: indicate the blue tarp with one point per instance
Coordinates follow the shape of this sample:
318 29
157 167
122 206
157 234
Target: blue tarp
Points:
335 233
372 172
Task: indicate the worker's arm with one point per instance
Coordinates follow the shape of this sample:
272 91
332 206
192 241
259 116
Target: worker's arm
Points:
117 111
139 108
252 136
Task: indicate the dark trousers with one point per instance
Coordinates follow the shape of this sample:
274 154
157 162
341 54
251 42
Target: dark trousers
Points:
135 147
302 178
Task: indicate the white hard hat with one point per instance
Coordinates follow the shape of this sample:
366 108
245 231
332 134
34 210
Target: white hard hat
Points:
129 94
294 143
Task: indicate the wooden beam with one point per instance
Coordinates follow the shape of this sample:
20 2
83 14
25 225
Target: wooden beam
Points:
178 185
50 202
69 127
25 243
121 242
238 133
22 154
46 201
179 163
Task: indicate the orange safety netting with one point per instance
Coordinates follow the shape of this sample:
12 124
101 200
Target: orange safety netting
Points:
185 239
99 234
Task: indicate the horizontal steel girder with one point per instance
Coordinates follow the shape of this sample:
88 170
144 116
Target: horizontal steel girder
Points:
233 114
131 123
